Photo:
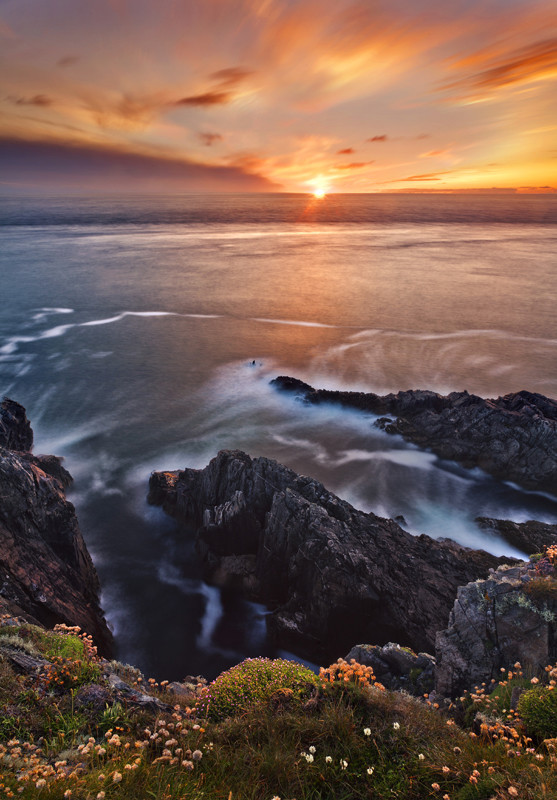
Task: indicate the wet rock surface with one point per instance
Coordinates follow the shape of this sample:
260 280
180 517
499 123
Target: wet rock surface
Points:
513 437
530 537
397 667
45 568
333 574
494 623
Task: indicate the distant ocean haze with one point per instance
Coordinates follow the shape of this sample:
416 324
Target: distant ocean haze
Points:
129 325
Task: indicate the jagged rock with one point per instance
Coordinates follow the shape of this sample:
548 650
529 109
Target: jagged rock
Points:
512 438
15 428
397 667
93 698
45 568
494 623
530 537
335 575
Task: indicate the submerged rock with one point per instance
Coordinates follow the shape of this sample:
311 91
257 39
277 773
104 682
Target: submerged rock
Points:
495 622
333 574
45 568
513 438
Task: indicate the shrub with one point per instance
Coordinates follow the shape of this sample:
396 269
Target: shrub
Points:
253 681
538 710
67 673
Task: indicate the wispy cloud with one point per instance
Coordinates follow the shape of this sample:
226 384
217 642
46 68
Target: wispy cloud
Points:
382 138
209 139
346 151
35 100
486 72
215 98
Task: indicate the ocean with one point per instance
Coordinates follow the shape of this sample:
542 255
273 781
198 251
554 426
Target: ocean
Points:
128 328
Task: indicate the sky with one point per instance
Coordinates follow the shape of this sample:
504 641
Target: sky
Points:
278 95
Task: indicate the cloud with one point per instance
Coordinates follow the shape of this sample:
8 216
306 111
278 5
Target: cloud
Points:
36 100
354 165
231 76
382 138
525 65
346 152
50 166
210 139
428 176
67 61
206 99
434 153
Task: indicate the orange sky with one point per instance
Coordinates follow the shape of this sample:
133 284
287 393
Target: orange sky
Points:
270 95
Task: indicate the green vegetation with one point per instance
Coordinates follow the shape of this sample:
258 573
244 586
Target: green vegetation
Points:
251 682
538 710
262 730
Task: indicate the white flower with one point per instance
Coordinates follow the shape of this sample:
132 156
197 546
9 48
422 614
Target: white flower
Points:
370 770
309 758
343 763
367 731
396 725
328 759
312 749
421 756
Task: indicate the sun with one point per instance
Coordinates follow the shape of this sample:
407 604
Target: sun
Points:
319 193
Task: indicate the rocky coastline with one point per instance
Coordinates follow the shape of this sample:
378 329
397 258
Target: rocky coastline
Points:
46 573
512 438
334 575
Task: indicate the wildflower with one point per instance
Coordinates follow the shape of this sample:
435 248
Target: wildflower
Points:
473 779
512 791
197 755
435 787
101 795
187 765
421 757
446 797
40 783
116 777
312 749
367 731
445 770
309 758
328 759
532 680
343 763
370 770
276 797
396 725
68 793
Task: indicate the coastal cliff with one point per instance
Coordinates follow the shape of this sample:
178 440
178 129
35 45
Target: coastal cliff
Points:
513 438
333 574
46 572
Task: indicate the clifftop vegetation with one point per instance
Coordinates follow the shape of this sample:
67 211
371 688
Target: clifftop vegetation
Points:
73 725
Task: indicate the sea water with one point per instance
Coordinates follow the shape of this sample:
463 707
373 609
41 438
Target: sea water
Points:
129 328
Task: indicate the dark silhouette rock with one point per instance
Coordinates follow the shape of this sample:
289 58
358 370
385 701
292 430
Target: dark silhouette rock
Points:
494 623
15 428
397 667
335 575
512 438
530 537
45 568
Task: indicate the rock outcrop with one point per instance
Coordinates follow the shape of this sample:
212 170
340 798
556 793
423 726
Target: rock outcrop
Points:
513 438
397 667
508 617
333 574
529 537
45 568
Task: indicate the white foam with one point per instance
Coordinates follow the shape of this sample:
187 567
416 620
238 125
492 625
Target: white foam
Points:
294 322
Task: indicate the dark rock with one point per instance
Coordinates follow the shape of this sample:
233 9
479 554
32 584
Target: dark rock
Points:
512 438
93 697
45 568
335 575
127 695
530 537
397 667
494 623
15 428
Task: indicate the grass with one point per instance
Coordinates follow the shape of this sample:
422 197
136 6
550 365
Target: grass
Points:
279 732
